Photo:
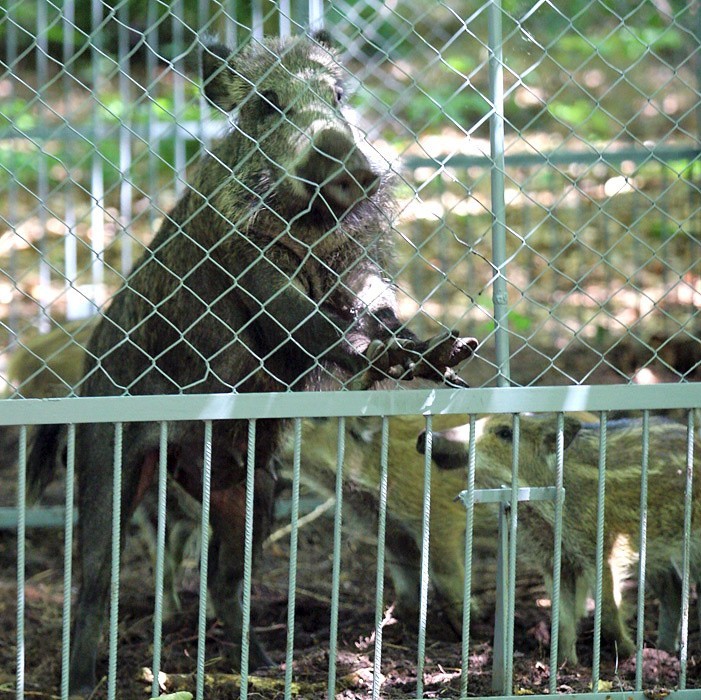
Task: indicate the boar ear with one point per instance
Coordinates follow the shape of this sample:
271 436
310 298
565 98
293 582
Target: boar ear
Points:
223 86
571 427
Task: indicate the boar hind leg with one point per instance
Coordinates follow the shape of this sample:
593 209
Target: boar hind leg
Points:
667 588
94 457
226 559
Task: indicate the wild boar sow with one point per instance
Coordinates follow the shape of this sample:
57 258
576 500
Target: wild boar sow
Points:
665 512
269 274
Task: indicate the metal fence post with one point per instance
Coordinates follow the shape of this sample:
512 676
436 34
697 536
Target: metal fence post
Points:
496 140
502 652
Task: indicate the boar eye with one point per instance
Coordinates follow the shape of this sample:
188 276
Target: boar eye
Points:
271 101
338 93
504 433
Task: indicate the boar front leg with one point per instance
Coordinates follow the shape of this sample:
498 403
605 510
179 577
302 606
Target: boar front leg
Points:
226 558
613 627
295 331
571 610
406 358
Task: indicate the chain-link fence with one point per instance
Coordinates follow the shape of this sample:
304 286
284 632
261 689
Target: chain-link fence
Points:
189 208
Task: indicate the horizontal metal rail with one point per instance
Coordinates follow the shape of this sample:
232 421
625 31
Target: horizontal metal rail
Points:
690 694
610 157
111 409
503 495
208 130
55 516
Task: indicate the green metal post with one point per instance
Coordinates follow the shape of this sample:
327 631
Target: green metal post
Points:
496 139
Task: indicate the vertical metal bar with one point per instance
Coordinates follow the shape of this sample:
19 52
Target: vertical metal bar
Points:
97 184
21 545
67 562
502 665
257 19
284 18
124 137
74 300
379 584
231 30
178 68
316 15
153 112
248 556
160 556
557 551
501 607
202 18
42 53
336 571
425 547
292 588
12 187
496 140
511 586
469 527
688 503
116 550
600 516
642 559
204 559
694 52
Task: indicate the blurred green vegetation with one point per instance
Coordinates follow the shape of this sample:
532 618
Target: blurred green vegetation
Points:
590 245
602 72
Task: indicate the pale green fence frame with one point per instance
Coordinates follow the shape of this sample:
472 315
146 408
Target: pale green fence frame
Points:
250 407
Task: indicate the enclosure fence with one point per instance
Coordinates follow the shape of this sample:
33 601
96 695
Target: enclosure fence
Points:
546 163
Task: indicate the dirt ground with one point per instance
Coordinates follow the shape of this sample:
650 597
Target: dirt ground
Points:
356 647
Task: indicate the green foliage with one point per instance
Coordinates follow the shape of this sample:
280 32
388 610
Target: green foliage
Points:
582 116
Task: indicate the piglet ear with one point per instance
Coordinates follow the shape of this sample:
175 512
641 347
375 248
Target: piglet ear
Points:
321 36
223 85
450 447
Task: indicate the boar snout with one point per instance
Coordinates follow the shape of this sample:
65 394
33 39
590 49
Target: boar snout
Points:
336 166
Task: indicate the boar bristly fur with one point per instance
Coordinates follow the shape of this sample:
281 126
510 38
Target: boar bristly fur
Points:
666 476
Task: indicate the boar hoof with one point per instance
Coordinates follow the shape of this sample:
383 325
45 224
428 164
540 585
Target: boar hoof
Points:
401 358
448 350
442 353
389 359
451 378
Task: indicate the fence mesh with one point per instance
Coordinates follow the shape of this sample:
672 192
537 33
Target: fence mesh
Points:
546 164
103 116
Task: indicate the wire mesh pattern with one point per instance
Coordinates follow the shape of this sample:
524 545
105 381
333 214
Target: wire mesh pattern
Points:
599 181
371 199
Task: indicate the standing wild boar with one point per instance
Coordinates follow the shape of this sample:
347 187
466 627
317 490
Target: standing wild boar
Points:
269 274
665 511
